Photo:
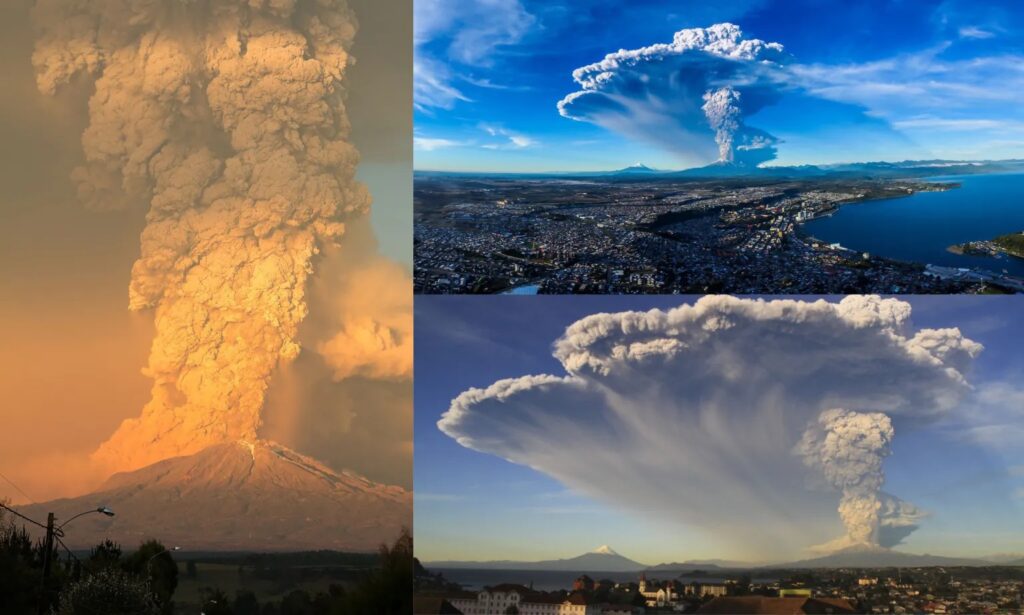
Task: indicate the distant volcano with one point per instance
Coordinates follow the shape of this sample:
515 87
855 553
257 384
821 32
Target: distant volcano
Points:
865 556
238 496
601 559
637 169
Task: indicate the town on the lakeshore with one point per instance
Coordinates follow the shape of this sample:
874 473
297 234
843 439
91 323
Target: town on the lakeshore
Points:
936 590
661 236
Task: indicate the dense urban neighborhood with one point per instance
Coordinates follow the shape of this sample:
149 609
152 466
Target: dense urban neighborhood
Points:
938 590
606 235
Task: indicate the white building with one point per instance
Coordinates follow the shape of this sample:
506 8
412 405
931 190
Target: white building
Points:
657 596
510 599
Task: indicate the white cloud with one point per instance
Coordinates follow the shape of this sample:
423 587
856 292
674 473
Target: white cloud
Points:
513 140
452 35
974 32
921 83
430 144
993 416
697 412
432 85
968 124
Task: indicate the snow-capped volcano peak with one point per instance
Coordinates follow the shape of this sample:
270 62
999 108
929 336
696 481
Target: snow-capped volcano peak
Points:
605 550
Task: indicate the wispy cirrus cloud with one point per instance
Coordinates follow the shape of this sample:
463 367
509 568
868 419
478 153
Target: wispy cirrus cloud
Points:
510 139
454 37
975 32
430 144
918 83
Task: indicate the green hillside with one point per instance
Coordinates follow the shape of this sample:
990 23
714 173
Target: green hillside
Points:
1012 243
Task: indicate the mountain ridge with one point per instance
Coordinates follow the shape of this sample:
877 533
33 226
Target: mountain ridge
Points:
238 496
602 559
719 170
852 557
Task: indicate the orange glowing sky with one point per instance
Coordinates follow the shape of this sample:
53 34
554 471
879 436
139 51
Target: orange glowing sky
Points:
72 352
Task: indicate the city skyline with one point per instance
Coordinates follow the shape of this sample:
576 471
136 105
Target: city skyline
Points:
960 470
787 83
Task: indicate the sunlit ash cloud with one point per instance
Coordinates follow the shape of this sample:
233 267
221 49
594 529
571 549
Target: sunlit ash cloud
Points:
748 419
228 118
691 96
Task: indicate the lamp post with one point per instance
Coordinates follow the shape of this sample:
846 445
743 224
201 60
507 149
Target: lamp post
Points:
51 533
58 532
149 565
149 561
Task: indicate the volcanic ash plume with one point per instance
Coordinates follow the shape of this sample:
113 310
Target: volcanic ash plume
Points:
849 448
723 112
678 95
374 336
737 143
721 415
228 117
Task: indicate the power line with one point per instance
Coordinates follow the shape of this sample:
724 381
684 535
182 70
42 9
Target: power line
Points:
18 514
17 487
61 543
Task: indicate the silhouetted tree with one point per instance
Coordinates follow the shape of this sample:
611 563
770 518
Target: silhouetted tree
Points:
104 555
743 584
20 570
153 562
246 603
215 602
389 588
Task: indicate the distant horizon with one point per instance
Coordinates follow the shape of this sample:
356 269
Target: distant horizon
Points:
725 563
679 170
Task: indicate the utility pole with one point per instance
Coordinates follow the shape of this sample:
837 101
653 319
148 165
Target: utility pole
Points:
47 563
51 534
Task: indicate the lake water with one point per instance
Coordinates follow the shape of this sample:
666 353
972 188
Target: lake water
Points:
919 228
529 289
552 580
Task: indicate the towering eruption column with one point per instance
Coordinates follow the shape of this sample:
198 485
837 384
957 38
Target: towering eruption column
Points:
228 117
849 448
721 107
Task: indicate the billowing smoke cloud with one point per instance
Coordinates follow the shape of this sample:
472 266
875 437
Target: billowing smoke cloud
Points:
724 414
686 95
228 117
373 338
849 448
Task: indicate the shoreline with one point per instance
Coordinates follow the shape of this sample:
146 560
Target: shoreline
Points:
988 248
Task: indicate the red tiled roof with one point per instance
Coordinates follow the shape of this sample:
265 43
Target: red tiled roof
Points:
761 605
433 605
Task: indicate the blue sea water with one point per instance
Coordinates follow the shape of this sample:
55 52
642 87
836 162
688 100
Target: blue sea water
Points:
919 228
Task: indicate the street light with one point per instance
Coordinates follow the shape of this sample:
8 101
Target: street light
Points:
161 552
51 533
103 510
149 564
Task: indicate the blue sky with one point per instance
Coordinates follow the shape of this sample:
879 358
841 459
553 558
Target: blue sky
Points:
879 79
966 470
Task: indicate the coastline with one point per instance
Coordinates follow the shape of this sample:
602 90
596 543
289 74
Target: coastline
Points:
987 249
